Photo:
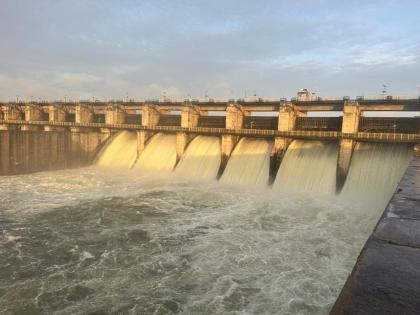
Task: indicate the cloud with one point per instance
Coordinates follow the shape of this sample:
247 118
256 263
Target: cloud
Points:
227 48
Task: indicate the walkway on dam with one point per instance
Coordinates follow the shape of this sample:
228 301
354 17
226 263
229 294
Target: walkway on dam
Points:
386 277
266 133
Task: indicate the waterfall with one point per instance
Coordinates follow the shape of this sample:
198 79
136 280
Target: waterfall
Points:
201 160
308 166
121 152
249 163
159 156
375 170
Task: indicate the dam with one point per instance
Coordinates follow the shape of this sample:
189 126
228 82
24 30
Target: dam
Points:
253 206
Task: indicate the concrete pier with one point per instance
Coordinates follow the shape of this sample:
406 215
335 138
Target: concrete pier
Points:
10 112
56 113
286 123
84 114
189 119
150 118
114 114
351 118
386 277
33 112
234 121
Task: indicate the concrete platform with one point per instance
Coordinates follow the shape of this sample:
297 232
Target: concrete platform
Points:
386 277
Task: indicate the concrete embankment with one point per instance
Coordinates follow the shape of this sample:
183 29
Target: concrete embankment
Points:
386 277
31 151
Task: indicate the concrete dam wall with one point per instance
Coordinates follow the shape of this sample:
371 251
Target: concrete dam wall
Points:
307 165
31 151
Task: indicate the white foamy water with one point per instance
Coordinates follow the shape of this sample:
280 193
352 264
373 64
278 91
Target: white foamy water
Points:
308 166
373 170
121 152
201 160
159 156
249 163
89 241
99 240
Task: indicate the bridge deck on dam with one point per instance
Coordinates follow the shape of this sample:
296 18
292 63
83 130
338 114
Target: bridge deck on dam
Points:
386 277
265 133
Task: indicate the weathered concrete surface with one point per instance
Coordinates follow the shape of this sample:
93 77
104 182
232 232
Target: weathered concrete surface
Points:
386 277
31 151
278 151
345 154
350 125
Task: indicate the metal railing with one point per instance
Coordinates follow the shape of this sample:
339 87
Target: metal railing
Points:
297 134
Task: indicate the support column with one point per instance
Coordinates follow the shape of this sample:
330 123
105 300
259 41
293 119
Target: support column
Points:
351 118
142 138
234 121
287 117
4 152
287 122
114 115
276 157
234 117
189 119
10 112
56 113
83 115
33 113
149 118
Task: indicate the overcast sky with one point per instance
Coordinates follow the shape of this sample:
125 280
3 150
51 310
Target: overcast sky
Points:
108 49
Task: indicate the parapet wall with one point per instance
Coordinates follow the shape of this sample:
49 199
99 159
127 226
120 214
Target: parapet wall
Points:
386 277
31 151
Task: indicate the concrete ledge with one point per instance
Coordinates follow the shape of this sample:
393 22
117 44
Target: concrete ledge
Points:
386 277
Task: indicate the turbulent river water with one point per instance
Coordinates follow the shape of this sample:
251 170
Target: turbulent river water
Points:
109 241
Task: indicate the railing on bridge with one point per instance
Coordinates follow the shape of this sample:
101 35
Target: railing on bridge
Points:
320 135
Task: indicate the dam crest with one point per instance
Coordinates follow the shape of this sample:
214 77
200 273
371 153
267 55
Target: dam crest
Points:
167 135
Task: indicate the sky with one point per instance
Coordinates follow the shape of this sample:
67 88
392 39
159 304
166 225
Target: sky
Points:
80 49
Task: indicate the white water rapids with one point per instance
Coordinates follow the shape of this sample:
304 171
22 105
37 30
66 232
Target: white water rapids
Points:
101 240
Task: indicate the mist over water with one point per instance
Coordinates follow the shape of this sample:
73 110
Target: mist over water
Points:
249 163
159 156
308 166
116 241
201 160
126 143
373 170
